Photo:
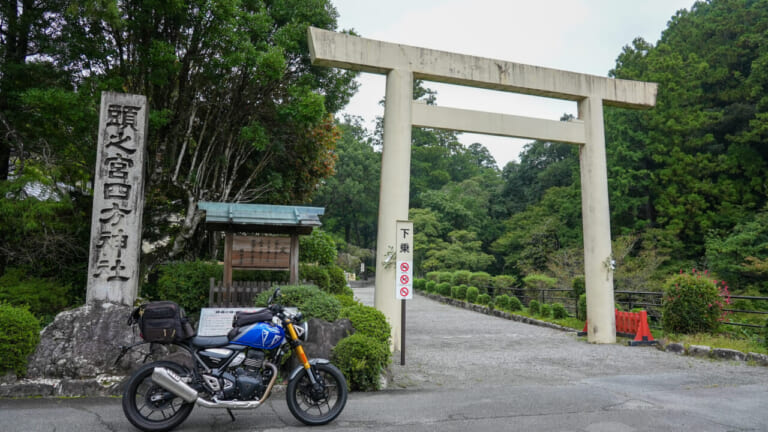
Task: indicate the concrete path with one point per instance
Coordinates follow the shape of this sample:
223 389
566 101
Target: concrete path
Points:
468 371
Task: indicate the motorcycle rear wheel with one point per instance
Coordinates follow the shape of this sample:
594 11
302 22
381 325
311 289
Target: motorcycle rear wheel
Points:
150 407
323 405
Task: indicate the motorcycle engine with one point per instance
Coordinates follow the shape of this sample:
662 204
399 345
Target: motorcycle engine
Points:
250 382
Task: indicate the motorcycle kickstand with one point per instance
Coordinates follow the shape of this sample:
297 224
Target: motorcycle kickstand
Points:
232 416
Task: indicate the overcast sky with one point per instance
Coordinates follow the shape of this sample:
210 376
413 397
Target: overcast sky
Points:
582 36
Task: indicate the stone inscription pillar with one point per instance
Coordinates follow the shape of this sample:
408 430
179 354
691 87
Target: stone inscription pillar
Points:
118 200
394 192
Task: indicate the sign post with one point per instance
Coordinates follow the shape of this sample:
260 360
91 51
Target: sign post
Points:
404 275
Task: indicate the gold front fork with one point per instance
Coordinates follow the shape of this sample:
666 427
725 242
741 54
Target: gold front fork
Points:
298 348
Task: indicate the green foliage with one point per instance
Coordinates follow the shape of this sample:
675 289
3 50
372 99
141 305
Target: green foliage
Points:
431 286
317 248
362 359
346 300
472 294
461 277
310 300
558 311
419 284
515 304
444 289
368 321
337 280
582 307
482 280
433 276
43 297
444 276
186 283
317 274
484 299
579 286
545 310
504 282
461 292
534 283
693 303
502 302
19 335
534 307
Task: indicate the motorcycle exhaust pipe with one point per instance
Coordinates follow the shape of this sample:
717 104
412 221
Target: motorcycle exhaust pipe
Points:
170 381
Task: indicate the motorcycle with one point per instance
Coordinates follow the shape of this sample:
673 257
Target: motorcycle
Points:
237 371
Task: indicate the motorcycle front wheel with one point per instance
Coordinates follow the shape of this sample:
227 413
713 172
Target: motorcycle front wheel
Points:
321 404
150 407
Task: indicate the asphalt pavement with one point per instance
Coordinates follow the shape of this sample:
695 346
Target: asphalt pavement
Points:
469 371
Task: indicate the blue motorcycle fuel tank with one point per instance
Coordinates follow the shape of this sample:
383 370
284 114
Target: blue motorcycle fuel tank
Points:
261 335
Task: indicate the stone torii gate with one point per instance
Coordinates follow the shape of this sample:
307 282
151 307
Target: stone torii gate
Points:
402 64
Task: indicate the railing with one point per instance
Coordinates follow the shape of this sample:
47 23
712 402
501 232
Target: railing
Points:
649 301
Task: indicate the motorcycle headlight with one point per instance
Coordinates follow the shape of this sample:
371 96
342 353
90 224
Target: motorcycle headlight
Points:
302 330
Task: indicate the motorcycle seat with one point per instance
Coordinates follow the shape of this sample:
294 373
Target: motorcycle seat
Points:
209 341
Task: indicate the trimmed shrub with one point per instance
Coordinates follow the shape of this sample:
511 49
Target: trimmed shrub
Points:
44 297
431 286
581 310
693 303
472 294
432 276
579 286
419 284
318 247
454 291
186 283
444 276
361 359
346 300
515 304
19 335
461 277
534 307
504 282
444 289
338 282
502 302
481 280
461 292
368 321
316 274
484 299
545 310
310 300
558 311
534 283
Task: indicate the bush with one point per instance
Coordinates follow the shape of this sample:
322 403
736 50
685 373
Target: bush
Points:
361 359
454 291
444 289
431 286
693 303
481 280
545 310
582 307
368 321
186 283
310 300
44 297
484 299
346 300
502 302
534 308
579 286
461 277
515 304
558 311
432 276
461 292
19 335
318 247
316 274
534 283
472 294
338 282
504 282
419 284
444 277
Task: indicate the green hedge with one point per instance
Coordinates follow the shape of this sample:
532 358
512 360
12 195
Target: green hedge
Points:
582 307
534 307
515 304
502 302
545 310
444 289
461 277
472 294
484 299
186 283
558 311
368 321
419 284
316 274
19 335
337 282
44 297
310 300
431 286
362 359
692 303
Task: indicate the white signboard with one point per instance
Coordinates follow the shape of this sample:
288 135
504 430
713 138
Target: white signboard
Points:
218 321
404 269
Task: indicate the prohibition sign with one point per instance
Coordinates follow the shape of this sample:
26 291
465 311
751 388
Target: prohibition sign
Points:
404 279
404 291
404 267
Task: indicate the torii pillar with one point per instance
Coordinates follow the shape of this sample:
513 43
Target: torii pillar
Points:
402 64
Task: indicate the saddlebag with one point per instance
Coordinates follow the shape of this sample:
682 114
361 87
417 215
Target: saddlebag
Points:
162 322
242 319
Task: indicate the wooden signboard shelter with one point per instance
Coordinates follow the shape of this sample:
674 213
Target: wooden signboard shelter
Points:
277 249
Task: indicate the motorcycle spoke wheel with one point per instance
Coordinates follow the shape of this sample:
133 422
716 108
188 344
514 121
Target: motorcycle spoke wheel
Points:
150 407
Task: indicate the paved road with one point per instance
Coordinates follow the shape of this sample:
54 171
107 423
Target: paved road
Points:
467 371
